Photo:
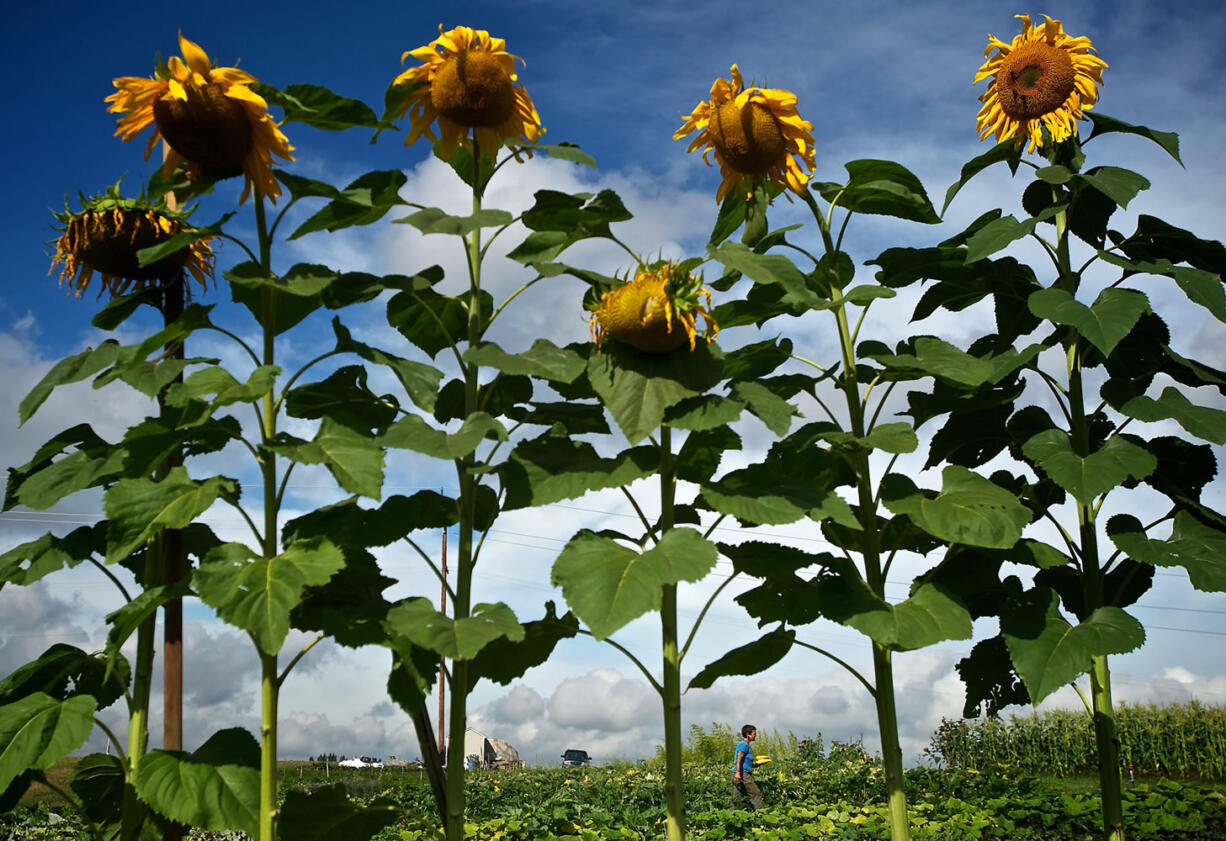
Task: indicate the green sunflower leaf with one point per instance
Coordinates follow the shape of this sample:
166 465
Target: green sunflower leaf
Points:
1049 653
1103 124
883 188
38 730
216 787
1087 478
544 359
412 432
1003 151
748 659
1104 323
1197 548
139 509
969 508
257 594
608 584
364 201
457 639
318 107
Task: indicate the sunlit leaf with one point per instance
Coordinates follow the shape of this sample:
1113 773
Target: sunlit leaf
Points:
638 388
1104 323
413 433
257 594
1050 653
139 509
544 359
217 787
456 639
1088 477
969 508
608 585
38 730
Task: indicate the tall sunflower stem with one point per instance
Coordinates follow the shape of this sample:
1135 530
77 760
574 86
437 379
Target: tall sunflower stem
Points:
453 820
671 656
1092 576
874 574
269 685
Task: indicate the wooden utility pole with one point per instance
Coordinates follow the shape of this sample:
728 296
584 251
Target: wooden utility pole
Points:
442 672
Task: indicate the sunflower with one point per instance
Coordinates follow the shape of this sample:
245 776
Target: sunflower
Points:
209 116
755 133
105 236
655 312
470 84
1045 78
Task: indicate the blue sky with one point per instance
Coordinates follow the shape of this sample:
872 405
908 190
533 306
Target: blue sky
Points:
876 79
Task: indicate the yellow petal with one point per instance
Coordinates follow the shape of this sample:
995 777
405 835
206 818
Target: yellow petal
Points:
196 58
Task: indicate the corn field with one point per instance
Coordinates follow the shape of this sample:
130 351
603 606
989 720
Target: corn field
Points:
1187 740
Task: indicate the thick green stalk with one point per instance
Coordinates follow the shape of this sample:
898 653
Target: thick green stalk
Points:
671 685
453 821
269 688
269 685
891 750
1093 587
887 714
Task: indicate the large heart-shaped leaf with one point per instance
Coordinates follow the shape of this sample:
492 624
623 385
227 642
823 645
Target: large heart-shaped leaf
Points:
1104 323
969 509
38 730
216 787
139 509
413 433
28 562
1199 549
504 659
638 388
456 639
1086 478
1051 653
608 585
748 659
553 468
1201 421
258 595
544 359
352 456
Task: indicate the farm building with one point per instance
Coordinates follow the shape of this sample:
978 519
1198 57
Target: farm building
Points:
481 751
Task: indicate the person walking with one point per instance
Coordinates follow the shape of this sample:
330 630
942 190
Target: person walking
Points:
743 786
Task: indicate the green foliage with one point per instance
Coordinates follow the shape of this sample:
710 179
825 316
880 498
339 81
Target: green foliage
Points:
1188 740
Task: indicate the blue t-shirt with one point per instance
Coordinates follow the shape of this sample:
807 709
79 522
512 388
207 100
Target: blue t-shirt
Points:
743 748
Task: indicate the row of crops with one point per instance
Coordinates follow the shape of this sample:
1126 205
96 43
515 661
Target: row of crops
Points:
839 796
1183 739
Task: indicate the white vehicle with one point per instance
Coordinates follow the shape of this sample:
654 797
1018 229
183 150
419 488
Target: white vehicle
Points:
361 762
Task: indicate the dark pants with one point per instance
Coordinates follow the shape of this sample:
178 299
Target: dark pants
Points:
746 789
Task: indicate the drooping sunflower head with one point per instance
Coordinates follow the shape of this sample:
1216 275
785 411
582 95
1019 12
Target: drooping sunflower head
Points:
755 133
209 116
1045 78
656 312
107 233
468 85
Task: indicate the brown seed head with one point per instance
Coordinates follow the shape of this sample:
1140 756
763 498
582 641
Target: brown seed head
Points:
473 89
748 139
1035 79
208 129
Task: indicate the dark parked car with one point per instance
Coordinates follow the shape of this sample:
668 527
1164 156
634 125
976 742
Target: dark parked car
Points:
574 758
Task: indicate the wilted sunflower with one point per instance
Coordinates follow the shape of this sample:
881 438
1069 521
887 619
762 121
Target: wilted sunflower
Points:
1044 78
655 312
756 133
470 84
209 116
105 236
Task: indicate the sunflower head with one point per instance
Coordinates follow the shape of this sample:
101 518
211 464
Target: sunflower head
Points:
756 134
107 233
466 83
656 312
209 117
1044 79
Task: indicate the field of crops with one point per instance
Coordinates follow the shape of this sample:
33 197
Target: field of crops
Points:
1188 740
838 796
